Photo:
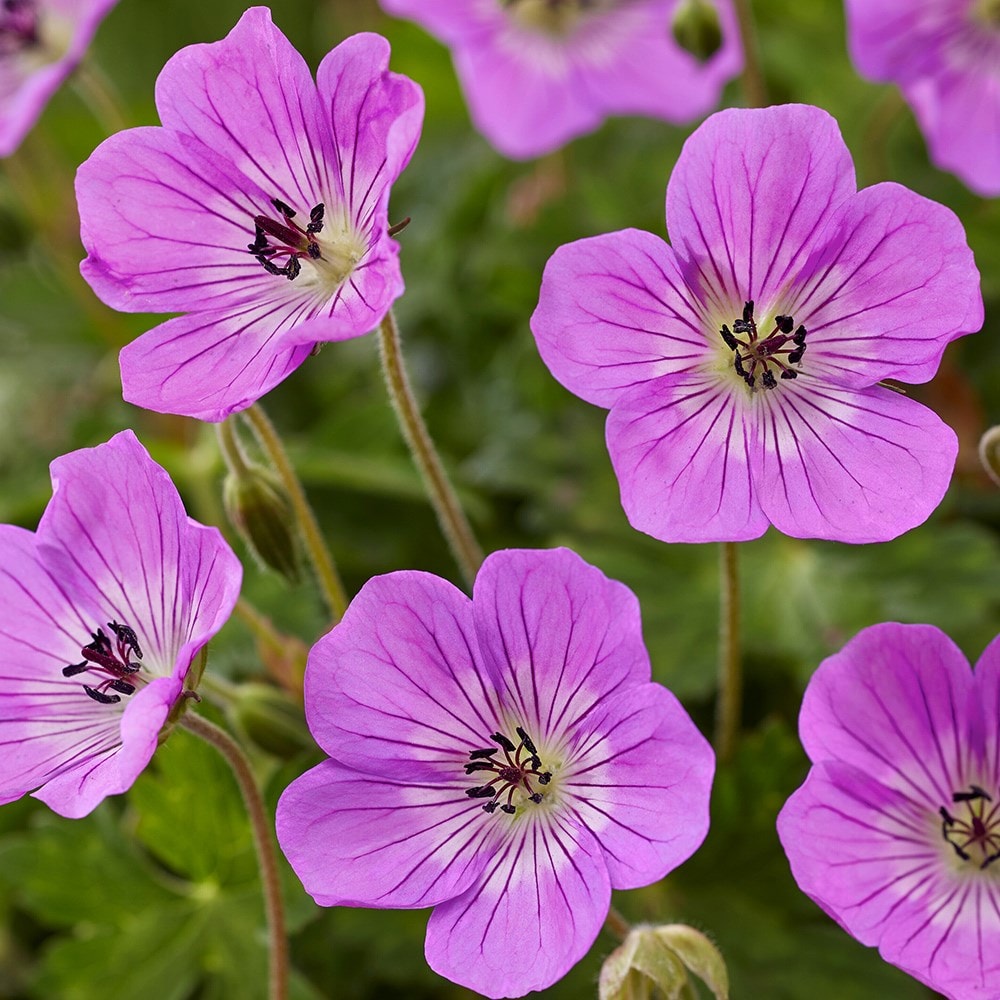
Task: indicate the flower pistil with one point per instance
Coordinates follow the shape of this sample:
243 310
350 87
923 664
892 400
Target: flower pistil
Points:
112 662
974 833
514 772
751 352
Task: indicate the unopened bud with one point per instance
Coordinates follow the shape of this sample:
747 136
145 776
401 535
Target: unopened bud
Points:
699 956
271 720
696 28
258 508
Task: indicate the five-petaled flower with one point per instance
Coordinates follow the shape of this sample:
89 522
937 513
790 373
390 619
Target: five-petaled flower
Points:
105 608
741 364
945 56
537 73
896 831
506 760
260 208
41 42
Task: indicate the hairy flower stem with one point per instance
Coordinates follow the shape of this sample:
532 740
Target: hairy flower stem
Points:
754 85
229 445
616 925
730 697
450 515
267 855
316 549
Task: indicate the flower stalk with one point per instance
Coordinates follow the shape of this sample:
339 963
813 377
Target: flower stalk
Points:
754 85
730 700
316 548
267 857
450 515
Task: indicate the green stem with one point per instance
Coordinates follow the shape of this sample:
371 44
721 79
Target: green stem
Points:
989 453
754 85
229 445
730 699
97 92
267 856
876 134
450 515
616 925
316 549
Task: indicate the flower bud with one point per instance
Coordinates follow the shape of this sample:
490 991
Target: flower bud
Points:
696 28
271 720
989 453
258 508
654 961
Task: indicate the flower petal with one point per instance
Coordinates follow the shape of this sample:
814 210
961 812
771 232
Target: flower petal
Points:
614 312
450 20
988 684
356 839
166 223
850 465
894 284
538 909
208 365
640 781
749 193
252 99
681 447
895 703
397 686
557 636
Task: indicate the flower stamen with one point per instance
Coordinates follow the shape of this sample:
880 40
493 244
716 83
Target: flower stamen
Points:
752 352
513 772
975 834
111 662
292 242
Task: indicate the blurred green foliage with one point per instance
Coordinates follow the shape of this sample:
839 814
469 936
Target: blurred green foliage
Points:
156 895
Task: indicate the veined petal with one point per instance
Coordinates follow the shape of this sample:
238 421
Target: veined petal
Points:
896 703
988 686
681 446
850 465
537 910
749 193
614 312
208 365
167 222
252 98
557 636
893 284
358 839
116 530
397 687
375 117
640 781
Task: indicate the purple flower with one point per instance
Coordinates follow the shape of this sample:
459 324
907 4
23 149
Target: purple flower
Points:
259 209
105 607
537 73
896 831
945 56
505 760
41 42
741 365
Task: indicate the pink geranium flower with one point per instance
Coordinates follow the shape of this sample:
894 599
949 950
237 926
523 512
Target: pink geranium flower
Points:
945 56
105 608
505 760
741 365
41 42
896 831
537 73
259 209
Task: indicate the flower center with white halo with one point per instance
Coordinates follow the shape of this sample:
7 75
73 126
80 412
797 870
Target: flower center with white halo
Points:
111 664
756 359
18 26
554 17
517 780
330 245
971 825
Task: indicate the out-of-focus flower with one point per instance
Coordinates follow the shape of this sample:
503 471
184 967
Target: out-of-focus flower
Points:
537 73
896 831
506 760
945 56
41 42
105 607
741 364
259 209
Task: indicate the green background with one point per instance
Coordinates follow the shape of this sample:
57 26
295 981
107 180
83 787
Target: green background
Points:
155 895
